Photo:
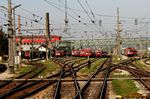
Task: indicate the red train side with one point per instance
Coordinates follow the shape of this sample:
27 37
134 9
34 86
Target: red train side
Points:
98 53
130 52
59 53
75 53
88 52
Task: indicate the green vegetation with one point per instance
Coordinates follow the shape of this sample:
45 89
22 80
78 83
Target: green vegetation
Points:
80 61
50 67
93 67
115 59
25 69
139 63
124 87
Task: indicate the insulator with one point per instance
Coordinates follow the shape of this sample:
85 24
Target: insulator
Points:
36 21
136 22
92 21
66 21
100 22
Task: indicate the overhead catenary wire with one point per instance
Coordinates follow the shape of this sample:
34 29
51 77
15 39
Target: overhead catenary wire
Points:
28 11
70 9
92 20
85 24
94 14
29 19
90 8
85 10
25 17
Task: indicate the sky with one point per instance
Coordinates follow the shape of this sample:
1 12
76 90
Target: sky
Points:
103 10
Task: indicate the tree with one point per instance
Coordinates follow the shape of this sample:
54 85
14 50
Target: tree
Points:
3 43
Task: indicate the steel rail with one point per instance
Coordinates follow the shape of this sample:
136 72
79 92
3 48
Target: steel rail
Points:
75 82
89 80
29 85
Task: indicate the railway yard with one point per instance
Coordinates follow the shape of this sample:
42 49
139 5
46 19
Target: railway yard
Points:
75 78
74 49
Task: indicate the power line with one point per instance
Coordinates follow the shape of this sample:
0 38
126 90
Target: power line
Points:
70 10
25 18
84 10
29 12
90 8
89 16
68 14
75 13
104 15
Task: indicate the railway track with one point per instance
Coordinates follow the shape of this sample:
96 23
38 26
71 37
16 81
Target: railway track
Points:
82 90
146 61
89 89
7 87
62 87
139 73
70 89
33 87
30 74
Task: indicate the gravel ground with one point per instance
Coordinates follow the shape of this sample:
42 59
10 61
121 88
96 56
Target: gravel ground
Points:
5 74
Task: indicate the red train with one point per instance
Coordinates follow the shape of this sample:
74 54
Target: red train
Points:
75 53
59 53
130 51
89 53
98 53
86 52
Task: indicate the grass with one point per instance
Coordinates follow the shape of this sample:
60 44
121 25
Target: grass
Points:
139 63
115 59
124 87
50 67
25 69
93 67
80 61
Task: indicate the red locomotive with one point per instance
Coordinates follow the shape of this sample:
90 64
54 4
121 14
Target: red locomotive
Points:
86 52
130 51
98 53
82 53
59 53
75 53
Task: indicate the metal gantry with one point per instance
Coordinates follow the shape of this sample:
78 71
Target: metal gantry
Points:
106 43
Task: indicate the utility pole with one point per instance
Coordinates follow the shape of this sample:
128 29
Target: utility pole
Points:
32 49
118 38
66 18
14 31
147 42
48 45
10 40
19 32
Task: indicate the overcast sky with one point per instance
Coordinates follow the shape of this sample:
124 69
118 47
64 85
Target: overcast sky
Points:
104 10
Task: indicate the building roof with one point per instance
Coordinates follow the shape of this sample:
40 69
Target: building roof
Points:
37 38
